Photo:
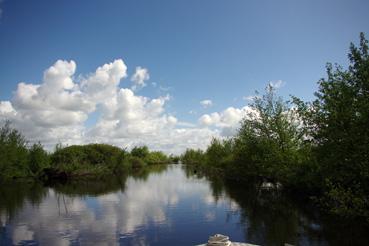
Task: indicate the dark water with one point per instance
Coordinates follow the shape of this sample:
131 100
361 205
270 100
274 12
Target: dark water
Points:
167 205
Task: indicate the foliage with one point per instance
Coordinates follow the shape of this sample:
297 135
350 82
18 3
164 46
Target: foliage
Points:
136 162
319 147
140 151
101 158
38 159
269 141
157 157
192 156
13 153
174 159
337 123
220 153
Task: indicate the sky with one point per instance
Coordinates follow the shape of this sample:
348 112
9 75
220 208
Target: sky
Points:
168 74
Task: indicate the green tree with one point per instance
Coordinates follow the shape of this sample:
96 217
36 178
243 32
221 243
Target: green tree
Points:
13 153
192 156
337 123
140 151
157 157
269 141
38 159
219 153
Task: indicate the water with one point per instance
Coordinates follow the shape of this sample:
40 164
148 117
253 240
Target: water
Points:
167 205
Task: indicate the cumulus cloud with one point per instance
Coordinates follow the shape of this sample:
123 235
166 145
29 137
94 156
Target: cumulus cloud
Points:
139 78
57 108
51 111
130 116
206 103
103 84
228 120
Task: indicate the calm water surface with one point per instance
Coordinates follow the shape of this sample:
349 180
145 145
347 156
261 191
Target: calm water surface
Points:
168 205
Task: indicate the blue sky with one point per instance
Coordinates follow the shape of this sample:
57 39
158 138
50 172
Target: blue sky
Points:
193 50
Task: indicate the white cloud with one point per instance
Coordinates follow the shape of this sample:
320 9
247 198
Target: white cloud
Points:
56 110
103 84
51 111
227 121
206 103
139 78
6 108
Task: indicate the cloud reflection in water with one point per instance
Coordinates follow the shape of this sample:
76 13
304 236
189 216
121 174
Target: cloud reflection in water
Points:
160 208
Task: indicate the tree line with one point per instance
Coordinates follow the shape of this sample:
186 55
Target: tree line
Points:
19 159
318 148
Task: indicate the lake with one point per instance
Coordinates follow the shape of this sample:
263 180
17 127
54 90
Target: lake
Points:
163 205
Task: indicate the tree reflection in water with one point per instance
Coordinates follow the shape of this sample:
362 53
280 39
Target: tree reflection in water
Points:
270 217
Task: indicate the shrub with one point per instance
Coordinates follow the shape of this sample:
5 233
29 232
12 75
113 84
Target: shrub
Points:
13 153
192 156
38 159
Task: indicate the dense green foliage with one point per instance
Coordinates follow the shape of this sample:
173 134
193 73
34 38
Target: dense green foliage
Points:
140 151
19 160
337 122
87 159
16 159
269 141
103 159
192 156
38 159
319 147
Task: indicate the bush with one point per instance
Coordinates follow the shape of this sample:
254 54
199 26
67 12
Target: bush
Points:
13 153
136 162
140 152
220 153
38 159
157 157
97 157
192 156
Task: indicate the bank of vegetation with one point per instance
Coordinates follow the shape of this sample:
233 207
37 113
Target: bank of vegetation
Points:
19 159
318 149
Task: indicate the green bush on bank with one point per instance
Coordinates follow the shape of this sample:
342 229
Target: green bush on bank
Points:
104 158
91 158
38 159
192 156
17 160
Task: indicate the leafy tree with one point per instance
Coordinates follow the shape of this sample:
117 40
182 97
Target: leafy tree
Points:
219 153
157 157
337 124
13 153
269 141
38 159
192 156
140 151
